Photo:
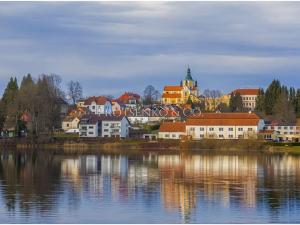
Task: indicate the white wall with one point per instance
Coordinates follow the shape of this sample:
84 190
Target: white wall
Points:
91 130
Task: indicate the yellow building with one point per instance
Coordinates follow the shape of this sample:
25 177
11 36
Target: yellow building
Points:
211 104
180 94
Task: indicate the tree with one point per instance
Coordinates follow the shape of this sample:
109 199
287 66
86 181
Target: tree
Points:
284 111
74 91
236 102
151 95
8 103
297 108
260 100
271 96
223 107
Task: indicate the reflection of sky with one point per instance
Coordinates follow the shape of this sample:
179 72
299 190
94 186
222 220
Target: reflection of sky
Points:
109 47
113 189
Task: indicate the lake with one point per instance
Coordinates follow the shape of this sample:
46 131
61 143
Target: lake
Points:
203 187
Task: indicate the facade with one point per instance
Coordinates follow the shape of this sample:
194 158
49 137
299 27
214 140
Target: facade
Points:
248 96
180 94
117 105
114 126
89 126
211 104
284 132
224 126
172 130
70 123
98 105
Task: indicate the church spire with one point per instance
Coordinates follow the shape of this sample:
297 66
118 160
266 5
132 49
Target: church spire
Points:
188 74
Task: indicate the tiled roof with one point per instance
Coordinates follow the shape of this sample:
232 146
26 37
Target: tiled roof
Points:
226 116
224 119
104 117
100 100
172 127
165 95
247 91
173 88
129 95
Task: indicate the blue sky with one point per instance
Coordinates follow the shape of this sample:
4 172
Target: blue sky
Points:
111 47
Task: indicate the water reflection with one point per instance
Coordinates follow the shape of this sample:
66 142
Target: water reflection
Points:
39 187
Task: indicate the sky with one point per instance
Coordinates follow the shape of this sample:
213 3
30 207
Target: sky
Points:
112 47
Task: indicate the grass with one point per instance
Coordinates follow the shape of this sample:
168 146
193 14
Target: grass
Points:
65 135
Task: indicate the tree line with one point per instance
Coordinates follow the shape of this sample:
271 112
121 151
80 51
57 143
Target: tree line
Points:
35 106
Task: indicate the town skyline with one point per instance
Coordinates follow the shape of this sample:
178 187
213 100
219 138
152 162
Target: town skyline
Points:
112 47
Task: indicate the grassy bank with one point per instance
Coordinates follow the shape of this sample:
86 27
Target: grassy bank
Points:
80 145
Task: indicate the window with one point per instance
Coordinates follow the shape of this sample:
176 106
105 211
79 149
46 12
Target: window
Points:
240 137
105 130
91 132
93 107
230 129
230 136
279 128
173 135
211 136
285 128
201 128
83 133
167 135
201 135
91 127
285 133
240 129
106 124
83 127
291 128
221 129
250 129
192 129
67 125
221 136
211 129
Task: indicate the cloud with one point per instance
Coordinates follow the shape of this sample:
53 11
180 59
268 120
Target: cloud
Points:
131 44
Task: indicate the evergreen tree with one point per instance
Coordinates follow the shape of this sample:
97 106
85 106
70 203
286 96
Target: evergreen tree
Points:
260 100
284 111
236 102
298 103
271 95
8 102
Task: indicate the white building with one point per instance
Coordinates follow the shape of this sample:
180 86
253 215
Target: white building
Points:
70 123
114 126
98 105
248 96
89 126
224 126
172 130
285 132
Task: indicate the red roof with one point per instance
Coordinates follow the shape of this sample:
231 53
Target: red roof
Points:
172 127
247 91
173 88
224 119
100 100
165 95
128 96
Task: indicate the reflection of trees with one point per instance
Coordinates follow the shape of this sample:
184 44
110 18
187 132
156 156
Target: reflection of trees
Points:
27 183
280 180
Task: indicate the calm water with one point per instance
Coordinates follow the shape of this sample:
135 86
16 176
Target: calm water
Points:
149 188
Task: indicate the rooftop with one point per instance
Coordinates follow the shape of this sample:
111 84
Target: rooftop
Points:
172 127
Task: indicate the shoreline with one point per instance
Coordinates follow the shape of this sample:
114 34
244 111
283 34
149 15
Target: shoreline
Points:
79 145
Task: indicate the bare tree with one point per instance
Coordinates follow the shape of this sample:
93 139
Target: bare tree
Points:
74 91
150 95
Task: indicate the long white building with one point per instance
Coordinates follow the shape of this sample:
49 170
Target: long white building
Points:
215 126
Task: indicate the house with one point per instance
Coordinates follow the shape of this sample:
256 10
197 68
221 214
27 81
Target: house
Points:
80 103
211 104
131 100
64 107
248 97
188 88
284 131
172 130
89 126
114 126
98 105
224 126
118 105
70 123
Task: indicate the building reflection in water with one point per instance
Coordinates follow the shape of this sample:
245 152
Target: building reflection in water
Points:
182 182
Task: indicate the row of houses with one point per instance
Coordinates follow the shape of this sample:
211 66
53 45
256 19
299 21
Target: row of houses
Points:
228 126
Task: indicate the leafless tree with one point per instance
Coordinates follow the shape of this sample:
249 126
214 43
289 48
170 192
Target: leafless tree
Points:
74 91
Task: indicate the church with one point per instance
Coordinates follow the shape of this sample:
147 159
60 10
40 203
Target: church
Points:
181 93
